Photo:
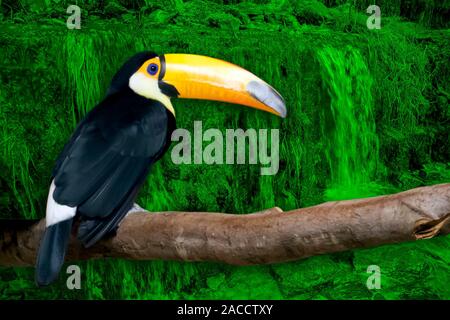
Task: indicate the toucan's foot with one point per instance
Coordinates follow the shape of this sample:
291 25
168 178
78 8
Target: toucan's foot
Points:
136 208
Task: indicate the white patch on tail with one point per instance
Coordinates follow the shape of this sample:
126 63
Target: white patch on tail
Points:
57 212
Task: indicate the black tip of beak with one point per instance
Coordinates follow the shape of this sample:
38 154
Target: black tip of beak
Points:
268 96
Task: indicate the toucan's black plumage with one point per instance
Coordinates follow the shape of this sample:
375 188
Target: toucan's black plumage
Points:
121 78
102 167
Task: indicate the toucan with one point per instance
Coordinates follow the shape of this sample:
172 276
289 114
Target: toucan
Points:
100 170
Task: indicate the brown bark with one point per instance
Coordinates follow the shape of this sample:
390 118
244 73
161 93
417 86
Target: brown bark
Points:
263 237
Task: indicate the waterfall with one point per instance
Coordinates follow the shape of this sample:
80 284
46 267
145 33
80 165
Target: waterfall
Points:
348 124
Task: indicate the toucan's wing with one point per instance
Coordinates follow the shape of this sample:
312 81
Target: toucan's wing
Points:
110 152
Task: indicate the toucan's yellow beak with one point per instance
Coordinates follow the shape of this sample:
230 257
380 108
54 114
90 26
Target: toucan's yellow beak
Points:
200 77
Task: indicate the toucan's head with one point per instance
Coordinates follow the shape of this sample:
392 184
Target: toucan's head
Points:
161 77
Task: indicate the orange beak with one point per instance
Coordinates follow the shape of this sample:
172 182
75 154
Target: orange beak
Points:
200 77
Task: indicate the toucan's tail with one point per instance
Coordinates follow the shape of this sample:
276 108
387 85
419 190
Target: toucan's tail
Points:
52 251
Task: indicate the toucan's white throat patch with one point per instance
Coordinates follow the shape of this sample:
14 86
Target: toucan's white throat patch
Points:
148 87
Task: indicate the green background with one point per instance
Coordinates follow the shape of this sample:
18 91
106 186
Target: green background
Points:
368 114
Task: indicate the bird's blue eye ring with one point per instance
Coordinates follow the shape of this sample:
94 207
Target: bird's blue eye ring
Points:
152 69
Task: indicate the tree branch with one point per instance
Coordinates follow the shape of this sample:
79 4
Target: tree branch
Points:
263 237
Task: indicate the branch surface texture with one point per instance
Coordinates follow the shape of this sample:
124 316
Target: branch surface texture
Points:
259 238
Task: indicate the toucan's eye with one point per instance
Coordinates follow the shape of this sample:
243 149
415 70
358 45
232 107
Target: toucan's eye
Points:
152 69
